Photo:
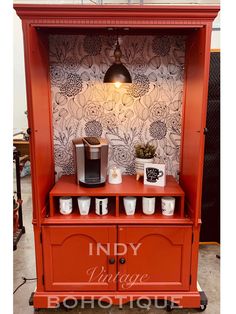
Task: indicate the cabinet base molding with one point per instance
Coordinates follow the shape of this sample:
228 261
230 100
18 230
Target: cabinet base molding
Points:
191 299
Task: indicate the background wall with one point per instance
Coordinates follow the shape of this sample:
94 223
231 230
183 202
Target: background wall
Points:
148 110
211 178
19 97
19 105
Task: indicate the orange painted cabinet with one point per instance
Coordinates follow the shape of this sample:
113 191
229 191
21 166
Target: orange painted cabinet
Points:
76 257
134 258
67 260
163 257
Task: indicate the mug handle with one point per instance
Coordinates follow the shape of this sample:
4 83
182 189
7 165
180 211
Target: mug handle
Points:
100 207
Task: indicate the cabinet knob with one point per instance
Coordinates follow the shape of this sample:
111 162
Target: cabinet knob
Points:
122 260
112 261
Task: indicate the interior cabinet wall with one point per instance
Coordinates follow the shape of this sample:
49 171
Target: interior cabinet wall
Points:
194 117
148 110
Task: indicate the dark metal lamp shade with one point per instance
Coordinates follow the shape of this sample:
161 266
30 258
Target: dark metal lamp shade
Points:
117 72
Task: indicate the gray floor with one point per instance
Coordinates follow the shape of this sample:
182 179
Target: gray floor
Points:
24 265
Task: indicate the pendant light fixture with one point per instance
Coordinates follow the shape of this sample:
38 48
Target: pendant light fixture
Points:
117 72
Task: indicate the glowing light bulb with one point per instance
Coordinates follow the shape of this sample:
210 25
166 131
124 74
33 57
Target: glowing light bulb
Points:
117 84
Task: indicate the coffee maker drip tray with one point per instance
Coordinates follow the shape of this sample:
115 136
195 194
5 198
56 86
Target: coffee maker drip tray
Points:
92 171
92 183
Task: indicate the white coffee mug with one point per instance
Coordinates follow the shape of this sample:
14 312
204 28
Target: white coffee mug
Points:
130 204
168 205
115 176
101 205
148 205
65 205
84 204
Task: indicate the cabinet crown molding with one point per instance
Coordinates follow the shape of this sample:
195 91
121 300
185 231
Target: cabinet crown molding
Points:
116 15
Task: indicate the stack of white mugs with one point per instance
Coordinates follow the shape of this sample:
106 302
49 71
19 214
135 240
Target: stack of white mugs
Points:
101 205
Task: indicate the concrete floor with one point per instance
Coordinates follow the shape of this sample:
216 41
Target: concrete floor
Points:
24 265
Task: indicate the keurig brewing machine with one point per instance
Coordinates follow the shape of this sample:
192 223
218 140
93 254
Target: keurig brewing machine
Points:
91 156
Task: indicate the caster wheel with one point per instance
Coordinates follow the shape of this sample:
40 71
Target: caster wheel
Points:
65 308
68 306
202 308
169 308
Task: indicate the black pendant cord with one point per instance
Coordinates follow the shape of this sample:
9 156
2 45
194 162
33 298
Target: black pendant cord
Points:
117 52
24 281
117 72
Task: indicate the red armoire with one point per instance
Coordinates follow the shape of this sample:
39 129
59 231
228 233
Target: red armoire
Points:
168 255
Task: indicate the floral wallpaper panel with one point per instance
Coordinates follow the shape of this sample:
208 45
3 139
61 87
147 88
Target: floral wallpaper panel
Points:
148 110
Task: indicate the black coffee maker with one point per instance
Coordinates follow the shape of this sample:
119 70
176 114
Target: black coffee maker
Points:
91 157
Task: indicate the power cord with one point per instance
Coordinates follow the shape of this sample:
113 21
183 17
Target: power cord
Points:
24 281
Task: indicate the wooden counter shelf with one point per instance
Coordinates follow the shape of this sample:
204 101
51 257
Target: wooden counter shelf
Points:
66 186
138 218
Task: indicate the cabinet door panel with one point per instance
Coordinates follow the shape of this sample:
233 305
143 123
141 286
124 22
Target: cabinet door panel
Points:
71 259
39 118
194 119
161 262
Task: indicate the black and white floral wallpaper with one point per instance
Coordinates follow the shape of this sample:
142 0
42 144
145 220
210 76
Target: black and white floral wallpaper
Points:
147 110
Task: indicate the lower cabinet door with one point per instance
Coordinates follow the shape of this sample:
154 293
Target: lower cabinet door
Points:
154 258
79 258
